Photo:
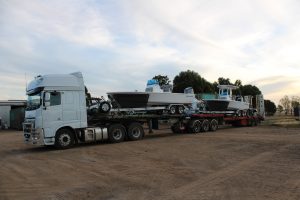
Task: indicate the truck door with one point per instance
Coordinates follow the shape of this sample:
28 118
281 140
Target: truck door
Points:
52 114
71 112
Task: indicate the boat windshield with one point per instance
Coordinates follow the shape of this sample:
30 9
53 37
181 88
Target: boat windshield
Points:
34 101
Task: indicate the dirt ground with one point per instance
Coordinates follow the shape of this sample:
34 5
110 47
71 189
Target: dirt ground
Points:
233 163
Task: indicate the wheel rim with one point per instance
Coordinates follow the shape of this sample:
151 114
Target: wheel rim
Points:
197 127
136 132
214 125
117 134
180 109
64 139
205 126
105 107
172 110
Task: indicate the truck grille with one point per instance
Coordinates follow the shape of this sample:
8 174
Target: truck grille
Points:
28 127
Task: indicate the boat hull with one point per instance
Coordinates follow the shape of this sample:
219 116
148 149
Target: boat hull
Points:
128 99
146 99
226 105
170 98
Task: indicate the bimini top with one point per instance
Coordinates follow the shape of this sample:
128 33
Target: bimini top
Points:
152 82
72 81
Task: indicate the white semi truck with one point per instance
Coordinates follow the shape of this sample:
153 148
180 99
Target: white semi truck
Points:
57 114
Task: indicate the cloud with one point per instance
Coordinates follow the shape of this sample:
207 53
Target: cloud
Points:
73 21
278 86
118 45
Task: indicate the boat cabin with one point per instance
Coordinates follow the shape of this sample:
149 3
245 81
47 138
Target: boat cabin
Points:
153 86
225 92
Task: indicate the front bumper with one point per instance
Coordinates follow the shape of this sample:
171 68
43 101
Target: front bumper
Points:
33 135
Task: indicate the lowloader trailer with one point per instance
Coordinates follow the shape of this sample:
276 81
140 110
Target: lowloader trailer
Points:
56 114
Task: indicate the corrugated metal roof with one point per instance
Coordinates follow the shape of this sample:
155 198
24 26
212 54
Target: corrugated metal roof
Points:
12 102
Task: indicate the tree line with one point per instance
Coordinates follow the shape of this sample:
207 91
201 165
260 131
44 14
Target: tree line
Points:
193 79
288 105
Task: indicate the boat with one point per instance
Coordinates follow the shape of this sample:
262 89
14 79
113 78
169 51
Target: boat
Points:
226 101
154 95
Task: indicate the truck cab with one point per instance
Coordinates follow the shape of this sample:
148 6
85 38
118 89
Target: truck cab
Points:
56 103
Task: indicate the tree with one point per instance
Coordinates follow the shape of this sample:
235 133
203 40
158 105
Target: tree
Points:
286 103
280 108
238 83
191 79
270 107
249 90
224 81
221 81
295 101
162 80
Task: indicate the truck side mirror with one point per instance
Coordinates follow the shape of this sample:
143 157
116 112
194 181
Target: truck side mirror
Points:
47 99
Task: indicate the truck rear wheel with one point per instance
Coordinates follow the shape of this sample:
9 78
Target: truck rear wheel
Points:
205 125
64 138
135 131
195 126
213 125
116 133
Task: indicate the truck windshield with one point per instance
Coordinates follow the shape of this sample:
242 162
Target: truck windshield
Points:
33 101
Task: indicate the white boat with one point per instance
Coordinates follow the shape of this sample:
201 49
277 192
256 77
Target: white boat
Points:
226 101
154 95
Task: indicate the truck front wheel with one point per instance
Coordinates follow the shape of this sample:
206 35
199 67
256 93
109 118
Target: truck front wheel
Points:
64 138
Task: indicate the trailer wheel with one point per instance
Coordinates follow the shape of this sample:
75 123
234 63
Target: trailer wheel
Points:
255 122
180 109
213 125
135 131
195 126
116 133
176 128
172 110
64 138
205 125
104 107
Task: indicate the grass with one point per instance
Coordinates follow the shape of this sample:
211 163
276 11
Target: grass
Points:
288 121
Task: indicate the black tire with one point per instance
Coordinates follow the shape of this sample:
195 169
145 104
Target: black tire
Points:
180 109
255 122
213 125
251 122
195 126
172 110
205 125
104 107
64 138
116 133
135 131
176 128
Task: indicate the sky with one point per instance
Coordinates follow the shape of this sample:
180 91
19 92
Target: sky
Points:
119 44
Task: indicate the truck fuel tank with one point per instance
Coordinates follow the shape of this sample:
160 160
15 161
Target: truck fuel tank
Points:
95 134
